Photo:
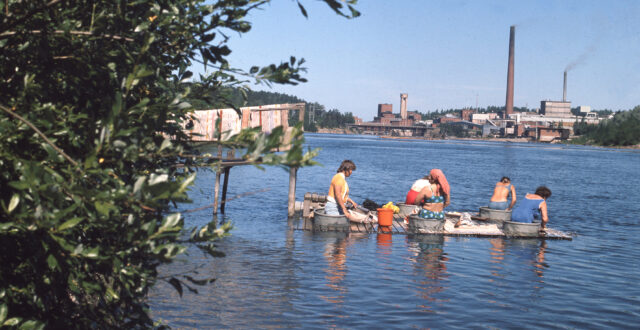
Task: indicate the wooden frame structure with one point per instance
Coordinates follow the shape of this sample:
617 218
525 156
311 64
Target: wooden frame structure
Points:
247 121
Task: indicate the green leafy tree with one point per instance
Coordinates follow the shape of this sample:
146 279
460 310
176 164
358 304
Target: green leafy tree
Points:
93 99
622 130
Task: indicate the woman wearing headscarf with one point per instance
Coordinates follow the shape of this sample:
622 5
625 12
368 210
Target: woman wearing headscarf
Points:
433 198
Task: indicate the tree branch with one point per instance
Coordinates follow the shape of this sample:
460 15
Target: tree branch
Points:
83 33
46 139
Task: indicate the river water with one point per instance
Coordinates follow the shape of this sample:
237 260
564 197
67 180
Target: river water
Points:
274 277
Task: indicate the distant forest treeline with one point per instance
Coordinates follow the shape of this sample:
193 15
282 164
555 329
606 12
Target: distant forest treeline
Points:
621 130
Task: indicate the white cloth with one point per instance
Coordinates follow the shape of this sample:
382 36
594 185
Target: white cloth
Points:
420 184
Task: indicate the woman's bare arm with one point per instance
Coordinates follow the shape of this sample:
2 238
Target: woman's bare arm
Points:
337 192
543 212
513 197
424 193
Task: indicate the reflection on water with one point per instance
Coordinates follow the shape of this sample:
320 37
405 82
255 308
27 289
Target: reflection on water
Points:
430 267
385 241
335 252
520 261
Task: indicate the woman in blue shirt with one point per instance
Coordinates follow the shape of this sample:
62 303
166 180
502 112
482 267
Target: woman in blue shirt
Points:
534 206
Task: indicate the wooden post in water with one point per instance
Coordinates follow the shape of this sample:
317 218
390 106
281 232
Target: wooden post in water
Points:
216 189
292 191
230 155
224 188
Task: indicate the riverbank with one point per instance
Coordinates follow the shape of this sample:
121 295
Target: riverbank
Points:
346 132
488 139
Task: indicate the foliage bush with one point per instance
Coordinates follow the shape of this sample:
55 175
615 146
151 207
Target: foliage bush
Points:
92 103
622 130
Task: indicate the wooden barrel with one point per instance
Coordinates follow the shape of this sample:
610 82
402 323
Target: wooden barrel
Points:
521 229
418 224
323 221
496 215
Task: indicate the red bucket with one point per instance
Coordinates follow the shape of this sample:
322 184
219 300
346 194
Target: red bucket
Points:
385 217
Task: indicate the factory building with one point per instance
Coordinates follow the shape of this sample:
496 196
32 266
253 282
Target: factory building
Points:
558 109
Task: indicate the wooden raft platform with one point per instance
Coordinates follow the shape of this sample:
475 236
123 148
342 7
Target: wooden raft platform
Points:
480 228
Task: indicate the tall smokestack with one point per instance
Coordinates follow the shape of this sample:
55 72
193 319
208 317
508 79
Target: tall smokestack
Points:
509 103
564 87
403 105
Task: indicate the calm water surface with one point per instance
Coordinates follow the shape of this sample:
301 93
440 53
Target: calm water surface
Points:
275 277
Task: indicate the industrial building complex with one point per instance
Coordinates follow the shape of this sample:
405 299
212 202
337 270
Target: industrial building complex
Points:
552 121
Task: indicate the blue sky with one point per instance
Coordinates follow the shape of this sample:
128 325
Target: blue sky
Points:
450 54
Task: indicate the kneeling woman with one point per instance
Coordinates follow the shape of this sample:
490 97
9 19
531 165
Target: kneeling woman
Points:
339 191
434 197
533 207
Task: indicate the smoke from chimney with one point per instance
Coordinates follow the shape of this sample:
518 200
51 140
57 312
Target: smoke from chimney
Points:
509 101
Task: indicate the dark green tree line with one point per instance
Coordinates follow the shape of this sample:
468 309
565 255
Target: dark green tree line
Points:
622 130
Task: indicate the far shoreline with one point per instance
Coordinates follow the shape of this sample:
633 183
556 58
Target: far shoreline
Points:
488 139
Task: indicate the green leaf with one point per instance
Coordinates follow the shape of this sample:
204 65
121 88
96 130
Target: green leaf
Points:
187 182
111 293
170 250
70 223
52 262
3 312
12 321
304 11
138 185
141 27
15 199
91 253
170 221
166 143
67 246
32 325
20 185
103 207
158 178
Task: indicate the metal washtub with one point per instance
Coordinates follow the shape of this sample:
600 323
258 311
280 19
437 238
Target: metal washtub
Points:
323 221
418 224
406 209
521 229
496 215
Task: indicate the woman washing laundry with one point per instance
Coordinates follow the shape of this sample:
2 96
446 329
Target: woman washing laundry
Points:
417 186
434 197
339 191
533 207
501 193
